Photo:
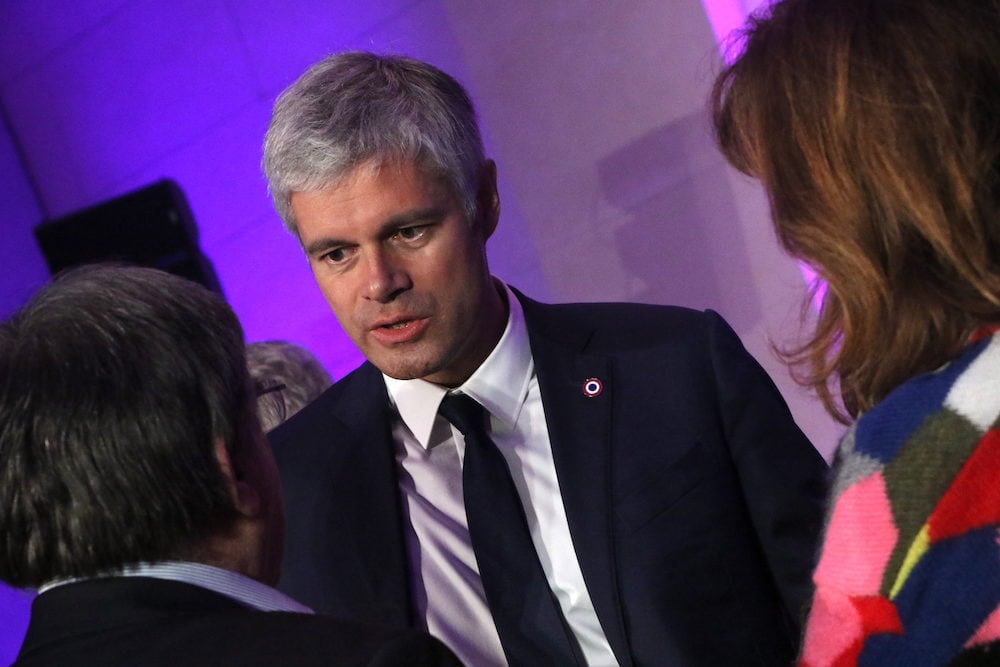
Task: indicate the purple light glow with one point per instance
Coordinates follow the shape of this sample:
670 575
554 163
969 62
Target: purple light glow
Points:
816 285
725 16
14 608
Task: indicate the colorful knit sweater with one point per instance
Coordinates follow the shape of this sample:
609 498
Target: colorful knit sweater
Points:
909 572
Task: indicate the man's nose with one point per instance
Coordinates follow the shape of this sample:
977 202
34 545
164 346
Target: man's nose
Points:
385 277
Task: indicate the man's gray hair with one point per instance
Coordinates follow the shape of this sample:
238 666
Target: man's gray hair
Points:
116 383
358 107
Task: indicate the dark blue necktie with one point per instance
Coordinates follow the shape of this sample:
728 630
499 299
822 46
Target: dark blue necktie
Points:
531 626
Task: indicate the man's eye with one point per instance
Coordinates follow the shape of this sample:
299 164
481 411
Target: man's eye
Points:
412 233
335 256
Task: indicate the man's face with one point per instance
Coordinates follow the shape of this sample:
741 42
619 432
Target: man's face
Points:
403 269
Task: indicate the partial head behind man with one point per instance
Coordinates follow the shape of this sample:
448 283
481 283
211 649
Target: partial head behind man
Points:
128 430
289 377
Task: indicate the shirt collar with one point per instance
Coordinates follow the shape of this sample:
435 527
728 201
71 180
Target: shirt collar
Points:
500 384
231 584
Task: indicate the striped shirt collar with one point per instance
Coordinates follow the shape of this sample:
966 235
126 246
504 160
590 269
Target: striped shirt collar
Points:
233 585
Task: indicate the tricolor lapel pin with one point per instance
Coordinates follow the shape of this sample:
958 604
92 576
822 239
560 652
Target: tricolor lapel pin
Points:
592 387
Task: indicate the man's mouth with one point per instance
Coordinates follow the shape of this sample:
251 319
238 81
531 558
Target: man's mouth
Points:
399 331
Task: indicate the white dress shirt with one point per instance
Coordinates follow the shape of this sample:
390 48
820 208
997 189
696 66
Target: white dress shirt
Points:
233 585
448 593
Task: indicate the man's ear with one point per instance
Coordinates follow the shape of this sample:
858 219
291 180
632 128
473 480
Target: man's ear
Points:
246 499
488 198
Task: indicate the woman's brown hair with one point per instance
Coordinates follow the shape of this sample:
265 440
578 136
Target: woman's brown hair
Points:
874 126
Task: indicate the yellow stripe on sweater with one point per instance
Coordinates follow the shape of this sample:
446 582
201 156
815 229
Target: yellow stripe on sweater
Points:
921 543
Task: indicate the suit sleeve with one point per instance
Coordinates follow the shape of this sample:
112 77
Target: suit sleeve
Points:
783 477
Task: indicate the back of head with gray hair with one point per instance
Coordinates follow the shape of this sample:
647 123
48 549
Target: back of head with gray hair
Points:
115 385
358 107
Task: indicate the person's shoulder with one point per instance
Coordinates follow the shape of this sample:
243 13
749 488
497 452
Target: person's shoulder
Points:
235 635
322 413
363 378
624 312
961 381
604 309
620 322
305 640
959 399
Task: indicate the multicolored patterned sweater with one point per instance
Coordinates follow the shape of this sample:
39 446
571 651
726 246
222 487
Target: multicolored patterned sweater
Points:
909 572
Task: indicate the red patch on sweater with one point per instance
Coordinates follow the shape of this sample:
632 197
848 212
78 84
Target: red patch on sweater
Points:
973 499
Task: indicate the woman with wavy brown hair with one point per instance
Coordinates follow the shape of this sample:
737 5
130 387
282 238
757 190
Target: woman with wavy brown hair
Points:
874 127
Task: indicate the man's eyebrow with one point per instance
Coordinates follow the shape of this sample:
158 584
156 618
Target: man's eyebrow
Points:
388 228
408 218
321 244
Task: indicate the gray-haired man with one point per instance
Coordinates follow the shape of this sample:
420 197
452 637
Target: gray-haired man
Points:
663 497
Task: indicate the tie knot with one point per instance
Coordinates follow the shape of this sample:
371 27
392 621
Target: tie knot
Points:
463 412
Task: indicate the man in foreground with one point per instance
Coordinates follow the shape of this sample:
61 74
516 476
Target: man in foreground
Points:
535 485
138 491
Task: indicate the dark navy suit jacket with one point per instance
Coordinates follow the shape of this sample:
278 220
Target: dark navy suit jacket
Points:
145 622
693 500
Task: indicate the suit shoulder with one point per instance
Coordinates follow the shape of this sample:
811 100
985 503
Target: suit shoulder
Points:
628 314
306 640
619 324
322 414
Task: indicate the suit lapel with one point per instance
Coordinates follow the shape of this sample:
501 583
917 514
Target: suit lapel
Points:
380 550
344 551
579 425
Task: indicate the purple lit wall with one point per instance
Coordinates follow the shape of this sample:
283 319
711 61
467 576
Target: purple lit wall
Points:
610 185
726 17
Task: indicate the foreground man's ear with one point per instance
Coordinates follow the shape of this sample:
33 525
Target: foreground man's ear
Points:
245 496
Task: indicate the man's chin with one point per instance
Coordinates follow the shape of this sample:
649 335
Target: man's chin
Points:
401 369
